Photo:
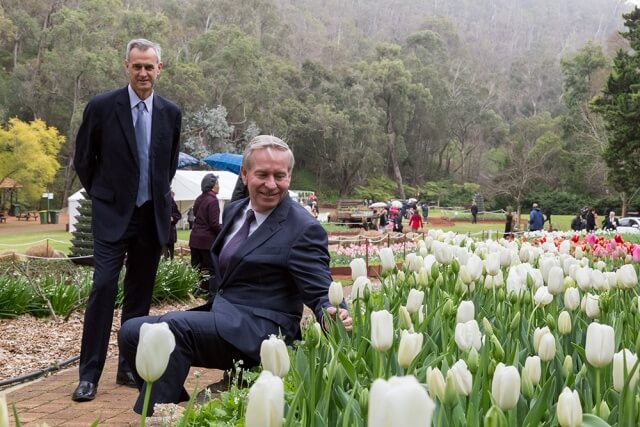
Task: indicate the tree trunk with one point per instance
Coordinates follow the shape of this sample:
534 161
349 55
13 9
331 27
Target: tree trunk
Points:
70 172
391 133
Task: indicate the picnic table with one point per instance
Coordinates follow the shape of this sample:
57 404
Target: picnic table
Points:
27 216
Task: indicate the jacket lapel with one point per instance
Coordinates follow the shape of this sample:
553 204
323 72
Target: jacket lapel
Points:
268 228
123 113
157 121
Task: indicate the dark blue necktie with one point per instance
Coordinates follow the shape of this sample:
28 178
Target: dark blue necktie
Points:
142 142
232 246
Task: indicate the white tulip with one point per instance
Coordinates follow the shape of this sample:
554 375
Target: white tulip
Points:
442 252
569 409
428 261
474 267
155 345
492 263
468 335
565 247
611 278
414 300
4 411
466 311
410 346
358 268
622 360
626 276
542 296
387 259
598 281
435 383
547 347
381 330
359 288
506 256
532 369
583 278
538 333
464 275
274 356
265 402
600 344
461 376
336 293
555 281
592 306
505 386
416 263
578 253
401 401
571 299
564 323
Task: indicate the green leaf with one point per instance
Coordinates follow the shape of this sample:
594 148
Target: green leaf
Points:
590 420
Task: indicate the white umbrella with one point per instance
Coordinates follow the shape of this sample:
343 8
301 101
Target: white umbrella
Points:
396 204
378 205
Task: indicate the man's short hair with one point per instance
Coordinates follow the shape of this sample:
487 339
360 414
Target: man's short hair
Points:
143 45
535 205
266 141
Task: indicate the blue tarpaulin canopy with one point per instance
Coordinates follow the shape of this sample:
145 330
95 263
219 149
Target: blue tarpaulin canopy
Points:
185 160
225 161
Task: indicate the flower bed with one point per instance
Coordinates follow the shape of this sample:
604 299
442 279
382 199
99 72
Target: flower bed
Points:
541 331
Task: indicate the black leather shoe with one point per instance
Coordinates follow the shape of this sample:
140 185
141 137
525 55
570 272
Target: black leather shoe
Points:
85 392
126 378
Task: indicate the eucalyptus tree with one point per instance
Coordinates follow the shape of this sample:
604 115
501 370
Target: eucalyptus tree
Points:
618 107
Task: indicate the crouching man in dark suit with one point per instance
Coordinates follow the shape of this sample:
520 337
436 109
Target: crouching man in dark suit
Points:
270 258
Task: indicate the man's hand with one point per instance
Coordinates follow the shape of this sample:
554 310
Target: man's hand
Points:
342 314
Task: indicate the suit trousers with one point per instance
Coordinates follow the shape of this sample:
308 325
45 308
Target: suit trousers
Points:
198 343
142 250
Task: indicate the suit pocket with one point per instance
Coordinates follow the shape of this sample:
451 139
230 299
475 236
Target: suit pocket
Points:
102 193
282 320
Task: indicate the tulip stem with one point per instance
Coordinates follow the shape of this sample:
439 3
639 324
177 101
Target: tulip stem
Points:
598 395
145 406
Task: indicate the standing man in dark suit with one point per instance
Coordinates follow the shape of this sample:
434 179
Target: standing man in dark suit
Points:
259 287
126 155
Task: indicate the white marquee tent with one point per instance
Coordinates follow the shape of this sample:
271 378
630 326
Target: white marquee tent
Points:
185 185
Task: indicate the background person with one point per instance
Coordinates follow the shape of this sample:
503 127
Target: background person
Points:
415 221
576 223
536 220
610 222
508 223
474 213
173 233
261 281
206 227
592 220
126 156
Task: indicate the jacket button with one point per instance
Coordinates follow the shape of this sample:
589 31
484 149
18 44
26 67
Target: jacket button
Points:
220 292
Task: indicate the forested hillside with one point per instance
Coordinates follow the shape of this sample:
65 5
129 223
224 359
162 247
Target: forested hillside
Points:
491 93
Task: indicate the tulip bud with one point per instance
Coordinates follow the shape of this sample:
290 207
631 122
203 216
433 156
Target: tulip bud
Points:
527 388
491 368
400 277
336 294
313 334
604 410
462 378
571 299
624 361
455 266
569 409
450 391
515 322
600 345
592 306
435 383
547 349
405 319
567 366
381 330
155 345
569 282
551 321
505 387
358 268
466 312
537 336
274 356
498 351
400 401
532 369
410 346
564 323
265 402
414 300
473 359
435 271
447 308
555 281
387 259
495 418
363 398
488 329
492 263
360 288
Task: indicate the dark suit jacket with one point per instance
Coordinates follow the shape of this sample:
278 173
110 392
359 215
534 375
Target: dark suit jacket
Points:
282 265
106 160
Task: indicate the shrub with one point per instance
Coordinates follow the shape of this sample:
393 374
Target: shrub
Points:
16 296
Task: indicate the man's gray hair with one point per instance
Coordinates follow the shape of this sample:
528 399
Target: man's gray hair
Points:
143 45
266 141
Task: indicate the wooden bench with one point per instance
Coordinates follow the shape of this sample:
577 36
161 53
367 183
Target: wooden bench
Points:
27 216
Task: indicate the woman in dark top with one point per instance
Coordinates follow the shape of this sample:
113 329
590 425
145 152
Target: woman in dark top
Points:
173 233
576 223
206 226
591 218
382 221
508 224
